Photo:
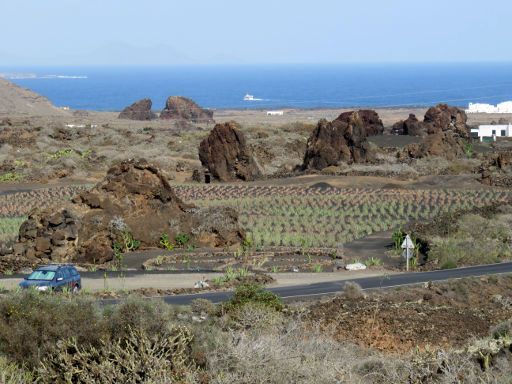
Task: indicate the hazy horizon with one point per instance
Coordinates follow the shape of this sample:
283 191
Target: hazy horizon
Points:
230 32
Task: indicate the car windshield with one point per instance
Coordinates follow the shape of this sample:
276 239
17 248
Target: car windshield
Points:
41 275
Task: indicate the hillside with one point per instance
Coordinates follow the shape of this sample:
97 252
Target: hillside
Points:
18 101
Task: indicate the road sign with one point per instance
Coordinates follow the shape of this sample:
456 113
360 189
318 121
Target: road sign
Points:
407 244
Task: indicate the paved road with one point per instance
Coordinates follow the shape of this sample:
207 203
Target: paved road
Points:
327 288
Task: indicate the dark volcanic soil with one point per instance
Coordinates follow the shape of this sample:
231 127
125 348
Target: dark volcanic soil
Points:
440 316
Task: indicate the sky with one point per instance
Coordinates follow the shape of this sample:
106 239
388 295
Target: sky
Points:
237 32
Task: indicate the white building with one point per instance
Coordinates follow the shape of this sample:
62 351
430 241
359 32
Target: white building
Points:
81 125
275 113
505 107
493 131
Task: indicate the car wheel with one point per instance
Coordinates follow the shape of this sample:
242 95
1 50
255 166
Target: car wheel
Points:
76 288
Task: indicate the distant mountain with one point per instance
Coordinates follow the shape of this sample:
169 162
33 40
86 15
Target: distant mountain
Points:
16 101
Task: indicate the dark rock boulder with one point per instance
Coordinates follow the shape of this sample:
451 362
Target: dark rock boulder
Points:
133 202
370 120
443 117
343 139
497 170
226 155
178 107
443 144
140 110
445 133
412 127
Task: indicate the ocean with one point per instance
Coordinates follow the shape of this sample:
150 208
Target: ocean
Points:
279 86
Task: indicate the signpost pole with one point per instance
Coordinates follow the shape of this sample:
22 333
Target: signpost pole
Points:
407 245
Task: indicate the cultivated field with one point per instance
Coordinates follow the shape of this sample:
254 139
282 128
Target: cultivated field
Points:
331 217
287 221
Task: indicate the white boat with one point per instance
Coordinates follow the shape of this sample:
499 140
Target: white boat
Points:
248 97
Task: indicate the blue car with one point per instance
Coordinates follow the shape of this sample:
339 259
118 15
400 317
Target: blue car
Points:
54 277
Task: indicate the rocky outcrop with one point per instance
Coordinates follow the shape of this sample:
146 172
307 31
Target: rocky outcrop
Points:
443 144
342 140
178 107
140 110
497 170
370 120
412 127
226 155
133 204
443 118
444 130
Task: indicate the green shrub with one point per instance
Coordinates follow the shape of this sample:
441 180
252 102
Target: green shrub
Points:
165 242
10 177
31 324
449 264
182 239
130 244
373 262
253 293
61 153
398 238
467 251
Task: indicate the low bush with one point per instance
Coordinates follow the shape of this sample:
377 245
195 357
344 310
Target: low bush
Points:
150 316
10 373
31 324
467 251
503 329
353 291
138 357
255 316
253 294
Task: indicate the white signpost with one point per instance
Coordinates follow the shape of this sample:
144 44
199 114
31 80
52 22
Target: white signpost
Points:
407 245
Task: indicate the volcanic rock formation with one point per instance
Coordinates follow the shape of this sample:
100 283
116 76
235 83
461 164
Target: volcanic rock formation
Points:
443 117
370 119
140 110
178 107
343 139
497 171
133 203
445 133
226 155
442 144
412 127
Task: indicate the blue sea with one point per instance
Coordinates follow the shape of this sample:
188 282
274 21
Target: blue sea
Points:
280 86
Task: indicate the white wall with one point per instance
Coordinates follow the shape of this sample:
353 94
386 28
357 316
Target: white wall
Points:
491 130
505 107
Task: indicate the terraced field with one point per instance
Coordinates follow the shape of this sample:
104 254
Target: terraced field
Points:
14 207
291 215
295 216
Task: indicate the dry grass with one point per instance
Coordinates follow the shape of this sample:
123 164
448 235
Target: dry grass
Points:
150 342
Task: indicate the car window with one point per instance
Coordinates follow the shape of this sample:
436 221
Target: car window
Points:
65 273
42 275
73 271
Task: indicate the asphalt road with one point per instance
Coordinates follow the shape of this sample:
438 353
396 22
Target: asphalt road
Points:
328 288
